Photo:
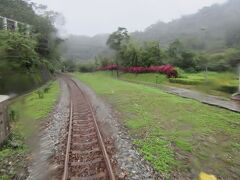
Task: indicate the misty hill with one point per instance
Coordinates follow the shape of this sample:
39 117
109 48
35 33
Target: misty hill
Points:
83 47
212 28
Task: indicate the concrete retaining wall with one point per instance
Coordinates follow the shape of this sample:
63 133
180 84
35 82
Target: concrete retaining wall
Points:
4 122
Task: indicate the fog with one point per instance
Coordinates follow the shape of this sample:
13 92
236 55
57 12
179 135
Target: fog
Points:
90 17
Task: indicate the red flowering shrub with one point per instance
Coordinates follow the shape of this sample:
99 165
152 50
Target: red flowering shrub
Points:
169 70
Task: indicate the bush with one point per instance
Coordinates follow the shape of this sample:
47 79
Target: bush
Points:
180 72
40 94
228 88
168 70
185 81
12 115
86 68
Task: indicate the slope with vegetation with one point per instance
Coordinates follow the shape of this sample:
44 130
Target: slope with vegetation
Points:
26 113
27 61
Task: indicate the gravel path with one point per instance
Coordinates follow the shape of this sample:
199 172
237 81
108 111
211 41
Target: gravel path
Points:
48 139
130 163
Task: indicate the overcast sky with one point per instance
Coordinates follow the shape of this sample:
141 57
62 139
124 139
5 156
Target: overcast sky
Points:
90 17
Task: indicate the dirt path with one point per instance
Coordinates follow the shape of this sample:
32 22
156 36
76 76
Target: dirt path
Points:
201 97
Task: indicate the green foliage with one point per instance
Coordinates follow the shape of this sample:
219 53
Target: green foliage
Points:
18 51
158 152
69 66
30 111
40 94
151 54
130 54
31 108
87 68
229 88
12 115
4 177
117 38
148 77
42 24
185 81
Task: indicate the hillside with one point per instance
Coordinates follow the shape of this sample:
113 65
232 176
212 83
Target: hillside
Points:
83 47
213 28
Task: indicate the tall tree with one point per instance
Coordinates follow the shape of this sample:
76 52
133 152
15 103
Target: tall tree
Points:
116 39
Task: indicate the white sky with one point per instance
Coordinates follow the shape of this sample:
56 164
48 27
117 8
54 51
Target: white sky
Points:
90 17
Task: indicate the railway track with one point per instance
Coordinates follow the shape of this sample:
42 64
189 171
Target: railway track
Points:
86 156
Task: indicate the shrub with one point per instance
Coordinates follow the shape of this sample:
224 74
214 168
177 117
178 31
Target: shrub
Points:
180 72
228 88
168 70
12 115
87 68
185 81
40 94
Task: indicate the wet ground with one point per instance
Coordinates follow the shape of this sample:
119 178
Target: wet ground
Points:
201 97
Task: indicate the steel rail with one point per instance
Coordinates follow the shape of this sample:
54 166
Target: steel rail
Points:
65 174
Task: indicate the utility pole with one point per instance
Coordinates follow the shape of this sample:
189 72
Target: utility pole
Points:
28 30
5 23
239 78
204 30
16 26
236 96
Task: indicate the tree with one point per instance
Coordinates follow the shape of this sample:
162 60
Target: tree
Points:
42 24
175 49
151 54
181 57
130 54
115 40
118 37
18 51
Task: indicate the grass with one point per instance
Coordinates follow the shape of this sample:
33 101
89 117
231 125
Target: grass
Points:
173 133
148 77
30 109
28 112
221 84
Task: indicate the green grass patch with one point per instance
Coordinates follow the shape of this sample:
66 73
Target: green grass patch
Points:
173 133
185 81
148 77
158 152
31 108
215 83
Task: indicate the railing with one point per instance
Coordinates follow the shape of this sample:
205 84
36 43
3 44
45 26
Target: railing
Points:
13 25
